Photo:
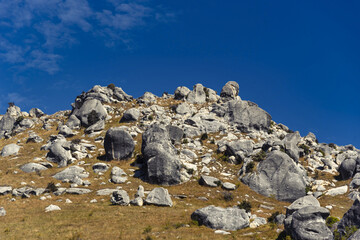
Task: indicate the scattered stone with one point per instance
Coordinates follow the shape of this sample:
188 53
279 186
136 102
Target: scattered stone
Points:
32 167
118 175
337 191
11 149
78 191
120 197
105 192
159 197
5 190
100 167
2 212
209 181
52 207
130 115
228 186
71 173
230 219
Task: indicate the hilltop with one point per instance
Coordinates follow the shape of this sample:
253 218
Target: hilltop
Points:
190 165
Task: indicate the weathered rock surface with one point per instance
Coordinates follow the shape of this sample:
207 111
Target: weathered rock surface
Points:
88 109
71 173
118 144
209 181
130 115
246 116
231 219
277 176
120 197
197 95
230 91
159 197
10 149
32 167
350 218
118 175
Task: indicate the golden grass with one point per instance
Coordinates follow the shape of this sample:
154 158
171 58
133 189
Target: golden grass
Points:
26 218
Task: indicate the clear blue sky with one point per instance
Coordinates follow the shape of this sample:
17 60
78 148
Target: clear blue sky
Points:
298 60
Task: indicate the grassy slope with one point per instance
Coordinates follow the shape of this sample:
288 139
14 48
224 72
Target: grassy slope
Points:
26 218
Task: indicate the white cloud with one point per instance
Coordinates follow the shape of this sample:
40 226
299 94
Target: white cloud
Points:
35 30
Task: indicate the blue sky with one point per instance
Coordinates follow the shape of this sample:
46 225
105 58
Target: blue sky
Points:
298 60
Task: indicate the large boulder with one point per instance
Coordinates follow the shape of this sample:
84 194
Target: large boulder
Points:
181 92
90 112
59 153
213 217
118 144
290 142
244 115
347 168
10 149
71 173
163 168
131 115
32 167
159 197
351 218
230 91
277 176
163 165
309 223
197 95
36 113
120 197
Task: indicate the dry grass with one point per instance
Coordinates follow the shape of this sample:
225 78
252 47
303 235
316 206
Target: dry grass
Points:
26 218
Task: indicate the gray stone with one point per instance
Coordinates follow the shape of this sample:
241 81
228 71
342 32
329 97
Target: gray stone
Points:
337 191
118 144
120 197
87 107
96 127
257 222
148 98
197 95
309 223
230 219
130 115
350 218
277 176
118 175
230 91
183 109
5 190
138 201
355 236
159 197
36 112
105 192
10 149
347 168
244 115
52 207
290 142
175 133
279 219
78 191
163 168
301 203
140 192
27 123
2 212
59 154
181 93
100 167
228 186
73 122
66 131
32 167
71 173
209 181
34 138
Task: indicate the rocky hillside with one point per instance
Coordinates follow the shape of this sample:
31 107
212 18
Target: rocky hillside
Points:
188 165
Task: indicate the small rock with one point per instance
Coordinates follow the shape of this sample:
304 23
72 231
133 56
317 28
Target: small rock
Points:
52 207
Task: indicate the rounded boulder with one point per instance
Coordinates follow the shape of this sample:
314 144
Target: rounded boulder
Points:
118 144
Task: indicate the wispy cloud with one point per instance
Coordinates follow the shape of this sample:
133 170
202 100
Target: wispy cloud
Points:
34 31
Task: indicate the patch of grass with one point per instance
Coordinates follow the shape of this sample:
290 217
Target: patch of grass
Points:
348 232
246 205
307 189
227 196
111 86
250 167
204 137
273 216
306 149
284 236
330 221
322 152
151 117
147 230
194 223
260 156
148 238
185 141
